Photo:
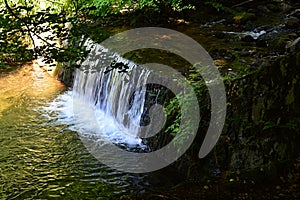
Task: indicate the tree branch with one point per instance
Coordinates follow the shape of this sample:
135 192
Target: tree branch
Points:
240 4
26 25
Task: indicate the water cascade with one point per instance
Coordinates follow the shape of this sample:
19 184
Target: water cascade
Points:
106 103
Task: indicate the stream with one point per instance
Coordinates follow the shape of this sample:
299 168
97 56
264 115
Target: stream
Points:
41 158
42 154
44 124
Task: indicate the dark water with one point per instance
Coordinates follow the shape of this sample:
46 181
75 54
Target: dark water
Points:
39 160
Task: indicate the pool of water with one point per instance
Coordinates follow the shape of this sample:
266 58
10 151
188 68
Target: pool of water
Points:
40 159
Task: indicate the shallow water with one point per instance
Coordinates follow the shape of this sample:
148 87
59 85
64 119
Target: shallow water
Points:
42 159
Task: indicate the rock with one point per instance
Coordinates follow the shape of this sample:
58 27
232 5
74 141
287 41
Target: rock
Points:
262 28
293 36
228 10
292 23
279 44
221 53
254 65
294 46
219 34
248 38
273 7
263 40
245 52
249 26
285 7
263 9
66 75
243 61
295 13
278 6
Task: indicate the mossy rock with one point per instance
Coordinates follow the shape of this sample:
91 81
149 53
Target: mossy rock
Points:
280 43
273 7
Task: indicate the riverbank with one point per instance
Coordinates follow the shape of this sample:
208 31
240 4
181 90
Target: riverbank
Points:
256 48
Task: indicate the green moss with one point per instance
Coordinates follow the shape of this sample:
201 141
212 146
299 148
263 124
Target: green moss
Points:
283 69
273 7
290 97
268 125
243 17
280 43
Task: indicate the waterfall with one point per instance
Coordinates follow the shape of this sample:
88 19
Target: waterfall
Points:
116 98
116 104
109 106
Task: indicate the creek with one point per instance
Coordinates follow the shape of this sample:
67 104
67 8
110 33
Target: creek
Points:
42 155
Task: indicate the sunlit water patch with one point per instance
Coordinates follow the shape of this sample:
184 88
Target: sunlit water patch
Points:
41 158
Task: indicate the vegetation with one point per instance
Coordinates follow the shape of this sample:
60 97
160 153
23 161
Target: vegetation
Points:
31 29
50 29
259 74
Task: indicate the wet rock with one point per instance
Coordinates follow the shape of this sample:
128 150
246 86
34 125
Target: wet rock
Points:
228 10
263 9
66 74
221 54
253 67
249 26
285 7
214 23
243 61
278 6
229 57
293 35
245 52
219 34
292 23
226 54
261 28
295 13
263 40
294 46
248 38
280 43
273 7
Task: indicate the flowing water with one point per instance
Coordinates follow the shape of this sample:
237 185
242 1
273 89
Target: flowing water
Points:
44 126
41 155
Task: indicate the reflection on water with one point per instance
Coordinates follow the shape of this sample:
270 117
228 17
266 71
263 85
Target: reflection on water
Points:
39 160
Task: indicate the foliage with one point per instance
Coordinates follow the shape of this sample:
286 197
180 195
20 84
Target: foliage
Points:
49 29
107 7
216 5
174 109
53 29
30 30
